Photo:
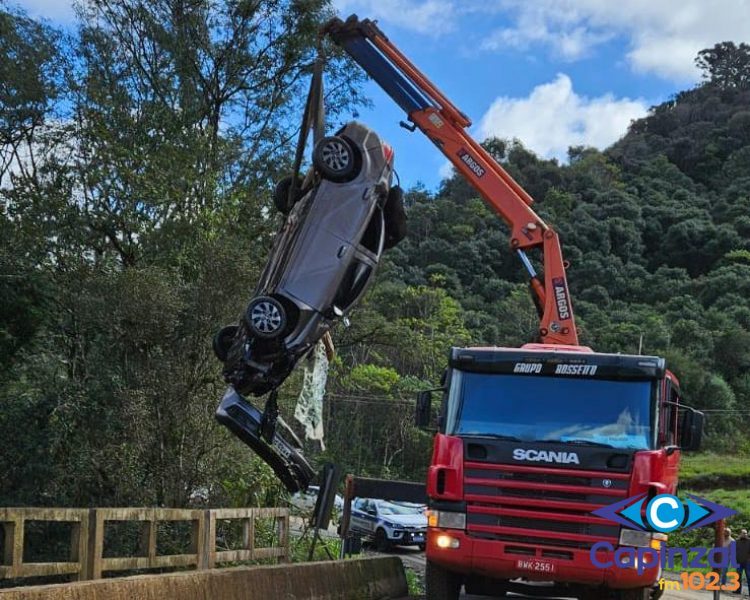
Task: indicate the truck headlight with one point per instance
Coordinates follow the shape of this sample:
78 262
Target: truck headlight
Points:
641 539
446 520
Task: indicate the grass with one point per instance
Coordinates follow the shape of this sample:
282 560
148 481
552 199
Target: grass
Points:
724 479
414 581
699 471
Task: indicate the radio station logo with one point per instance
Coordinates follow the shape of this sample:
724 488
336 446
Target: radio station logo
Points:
664 513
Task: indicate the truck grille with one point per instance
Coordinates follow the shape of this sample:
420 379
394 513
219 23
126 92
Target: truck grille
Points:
537 506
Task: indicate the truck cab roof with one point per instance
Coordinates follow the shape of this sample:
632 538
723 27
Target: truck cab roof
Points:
561 361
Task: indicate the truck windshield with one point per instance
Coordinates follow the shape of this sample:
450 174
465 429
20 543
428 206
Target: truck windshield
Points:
616 414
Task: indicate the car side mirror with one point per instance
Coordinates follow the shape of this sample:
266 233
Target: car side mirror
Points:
424 409
371 511
692 429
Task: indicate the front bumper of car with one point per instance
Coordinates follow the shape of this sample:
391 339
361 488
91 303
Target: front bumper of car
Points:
407 537
283 454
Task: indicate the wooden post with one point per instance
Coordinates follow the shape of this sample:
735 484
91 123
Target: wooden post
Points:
284 536
147 546
79 541
18 536
9 528
96 544
208 554
248 534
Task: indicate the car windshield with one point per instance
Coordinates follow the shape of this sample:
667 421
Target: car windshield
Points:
614 414
387 508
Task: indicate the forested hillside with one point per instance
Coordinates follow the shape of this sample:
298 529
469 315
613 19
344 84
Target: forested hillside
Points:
137 159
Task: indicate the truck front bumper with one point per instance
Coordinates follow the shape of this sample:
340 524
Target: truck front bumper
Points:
502 559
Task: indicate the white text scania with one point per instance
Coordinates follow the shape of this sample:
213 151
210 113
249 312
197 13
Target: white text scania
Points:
550 456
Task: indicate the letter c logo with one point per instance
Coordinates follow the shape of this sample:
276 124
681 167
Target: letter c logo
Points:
665 513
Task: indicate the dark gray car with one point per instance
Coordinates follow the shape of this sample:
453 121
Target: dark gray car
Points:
322 261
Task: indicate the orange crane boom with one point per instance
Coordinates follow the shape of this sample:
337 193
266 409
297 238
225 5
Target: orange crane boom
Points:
428 109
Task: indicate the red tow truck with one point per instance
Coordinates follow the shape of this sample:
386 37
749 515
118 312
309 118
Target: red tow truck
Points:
530 441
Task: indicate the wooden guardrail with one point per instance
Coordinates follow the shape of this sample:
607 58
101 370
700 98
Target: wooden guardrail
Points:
87 560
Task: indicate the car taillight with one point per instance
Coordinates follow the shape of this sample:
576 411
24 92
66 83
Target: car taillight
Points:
387 152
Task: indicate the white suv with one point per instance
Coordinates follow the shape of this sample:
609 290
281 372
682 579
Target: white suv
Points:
390 523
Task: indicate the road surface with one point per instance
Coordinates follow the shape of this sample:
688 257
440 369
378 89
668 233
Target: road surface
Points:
415 560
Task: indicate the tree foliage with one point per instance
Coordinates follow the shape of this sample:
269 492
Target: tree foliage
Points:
137 157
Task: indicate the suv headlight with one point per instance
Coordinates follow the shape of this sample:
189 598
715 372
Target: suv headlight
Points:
446 520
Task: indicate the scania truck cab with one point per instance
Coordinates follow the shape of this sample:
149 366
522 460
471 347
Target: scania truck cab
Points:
530 441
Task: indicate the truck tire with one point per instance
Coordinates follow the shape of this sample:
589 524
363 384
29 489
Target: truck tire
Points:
636 594
440 583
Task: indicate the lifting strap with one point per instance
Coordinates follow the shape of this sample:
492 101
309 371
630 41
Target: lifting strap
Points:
312 118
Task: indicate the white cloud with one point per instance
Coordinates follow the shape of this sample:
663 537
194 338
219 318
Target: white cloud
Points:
446 170
664 35
59 11
553 117
431 17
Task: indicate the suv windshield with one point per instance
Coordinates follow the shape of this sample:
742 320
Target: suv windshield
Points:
616 414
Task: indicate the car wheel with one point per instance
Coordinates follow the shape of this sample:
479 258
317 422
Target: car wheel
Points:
223 341
281 194
382 543
266 317
395 218
422 547
334 158
440 583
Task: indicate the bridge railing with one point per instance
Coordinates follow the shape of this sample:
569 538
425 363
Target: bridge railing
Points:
87 557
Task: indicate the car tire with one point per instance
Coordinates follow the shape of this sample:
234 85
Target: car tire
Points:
422 547
395 218
440 583
265 317
281 194
382 543
335 159
222 341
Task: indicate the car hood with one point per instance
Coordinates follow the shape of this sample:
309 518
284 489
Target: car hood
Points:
407 520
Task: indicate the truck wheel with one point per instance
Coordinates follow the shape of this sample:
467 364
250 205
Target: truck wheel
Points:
636 594
266 317
440 583
382 543
334 158
223 341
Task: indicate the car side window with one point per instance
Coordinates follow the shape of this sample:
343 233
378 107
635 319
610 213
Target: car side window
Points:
352 284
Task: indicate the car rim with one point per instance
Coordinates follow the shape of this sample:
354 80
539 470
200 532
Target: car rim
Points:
336 156
265 317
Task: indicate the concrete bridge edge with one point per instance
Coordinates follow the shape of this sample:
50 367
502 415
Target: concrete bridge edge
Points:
377 578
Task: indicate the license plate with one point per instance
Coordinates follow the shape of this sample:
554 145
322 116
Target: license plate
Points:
538 566
418 538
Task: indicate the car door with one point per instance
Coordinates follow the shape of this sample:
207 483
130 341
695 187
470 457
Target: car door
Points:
359 522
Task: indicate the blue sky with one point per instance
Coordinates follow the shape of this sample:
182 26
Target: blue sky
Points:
552 73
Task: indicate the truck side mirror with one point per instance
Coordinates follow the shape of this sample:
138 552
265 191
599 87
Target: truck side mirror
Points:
424 409
691 429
